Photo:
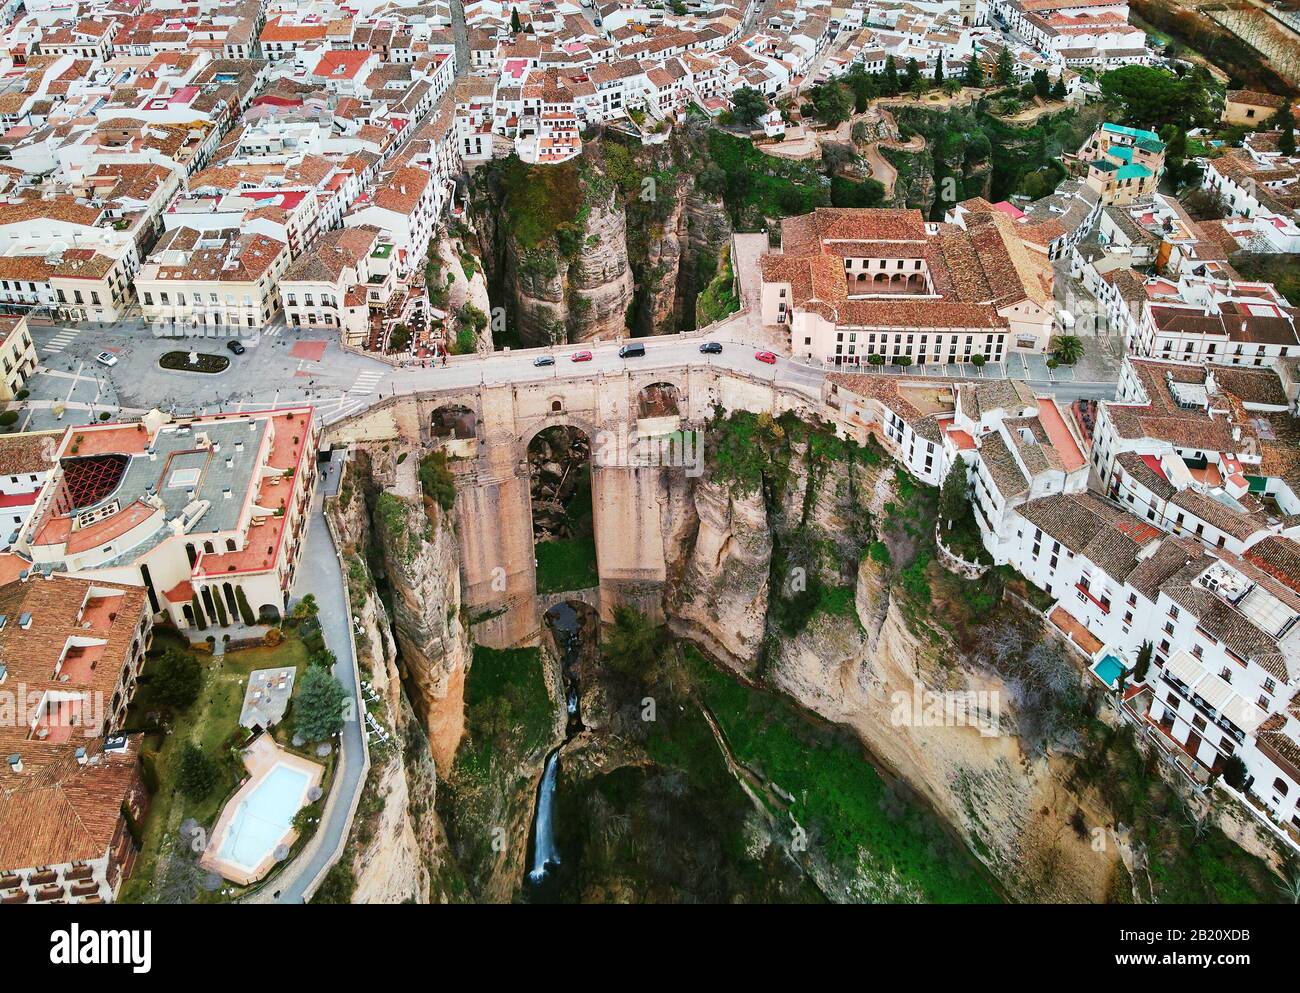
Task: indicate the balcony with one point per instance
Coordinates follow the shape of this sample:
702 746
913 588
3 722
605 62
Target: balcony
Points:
1203 708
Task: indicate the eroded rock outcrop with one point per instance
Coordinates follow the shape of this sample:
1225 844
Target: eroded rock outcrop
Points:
422 563
578 298
880 671
721 602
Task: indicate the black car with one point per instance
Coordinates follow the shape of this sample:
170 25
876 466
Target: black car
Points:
711 348
236 347
544 360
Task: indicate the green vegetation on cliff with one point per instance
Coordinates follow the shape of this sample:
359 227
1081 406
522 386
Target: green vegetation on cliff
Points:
865 827
1189 859
509 720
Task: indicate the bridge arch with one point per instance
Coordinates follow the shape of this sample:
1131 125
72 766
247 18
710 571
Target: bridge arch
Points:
659 399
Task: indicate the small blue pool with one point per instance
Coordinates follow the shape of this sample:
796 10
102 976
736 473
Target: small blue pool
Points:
1108 670
265 817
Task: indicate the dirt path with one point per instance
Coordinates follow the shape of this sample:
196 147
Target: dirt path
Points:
882 170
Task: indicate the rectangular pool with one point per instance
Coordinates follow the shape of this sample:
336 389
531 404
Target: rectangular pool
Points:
1108 670
265 817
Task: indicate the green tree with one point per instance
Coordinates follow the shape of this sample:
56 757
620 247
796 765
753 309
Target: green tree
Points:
633 646
864 87
1058 88
305 609
1006 71
748 105
832 103
953 498
245 611
1234 772
891 83
1147 97
913 74
974 75
938 71
515 25
1284 123
1143 664
176 678
338 885
318 704
1042 83
471 317
198 773
200 618
1069 349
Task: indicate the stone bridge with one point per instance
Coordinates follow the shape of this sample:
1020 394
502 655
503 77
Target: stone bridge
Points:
641 508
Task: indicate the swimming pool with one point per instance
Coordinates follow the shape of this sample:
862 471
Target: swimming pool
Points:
265 817
1108 670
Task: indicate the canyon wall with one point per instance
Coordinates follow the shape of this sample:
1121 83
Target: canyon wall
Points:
865 670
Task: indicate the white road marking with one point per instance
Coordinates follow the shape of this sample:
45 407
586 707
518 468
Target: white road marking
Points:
365 383
60 341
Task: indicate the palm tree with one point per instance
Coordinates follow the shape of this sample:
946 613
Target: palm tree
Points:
1069 349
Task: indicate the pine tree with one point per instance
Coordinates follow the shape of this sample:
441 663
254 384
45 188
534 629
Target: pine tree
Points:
974 75
515 26
952 496
1284 121
891 77
938 71
1006 73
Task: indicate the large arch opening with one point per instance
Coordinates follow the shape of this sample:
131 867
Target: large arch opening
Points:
659 400
454 428
564 533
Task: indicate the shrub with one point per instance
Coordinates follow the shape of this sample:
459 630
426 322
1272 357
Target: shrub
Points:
198 773
9 418
176 678
245 611
1234 772
437 480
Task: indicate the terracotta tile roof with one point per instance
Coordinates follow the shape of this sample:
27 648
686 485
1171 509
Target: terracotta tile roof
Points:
66 811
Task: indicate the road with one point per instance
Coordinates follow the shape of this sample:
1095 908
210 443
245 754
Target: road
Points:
319 574
298 367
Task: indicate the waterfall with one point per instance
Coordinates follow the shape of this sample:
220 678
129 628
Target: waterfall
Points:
544 853
563 619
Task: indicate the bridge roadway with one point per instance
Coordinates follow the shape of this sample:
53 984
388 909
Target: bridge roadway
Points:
736 336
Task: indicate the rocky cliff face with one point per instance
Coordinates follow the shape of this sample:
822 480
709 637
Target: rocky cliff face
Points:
876 671
396 841
422 562
730 554
679 257
558 298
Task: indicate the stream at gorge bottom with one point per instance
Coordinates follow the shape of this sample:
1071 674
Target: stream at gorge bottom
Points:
541 883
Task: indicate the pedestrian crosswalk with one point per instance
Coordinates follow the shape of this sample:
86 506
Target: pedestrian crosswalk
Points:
272 331
365 383
60 341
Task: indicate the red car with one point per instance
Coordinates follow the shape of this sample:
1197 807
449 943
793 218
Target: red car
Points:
582 356
767 357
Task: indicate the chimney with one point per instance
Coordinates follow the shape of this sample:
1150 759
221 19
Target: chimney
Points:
15 763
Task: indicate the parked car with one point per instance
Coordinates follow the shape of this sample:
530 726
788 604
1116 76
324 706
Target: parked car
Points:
767 357
544 360
106 358
631 351
711 348
583 356
237 347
